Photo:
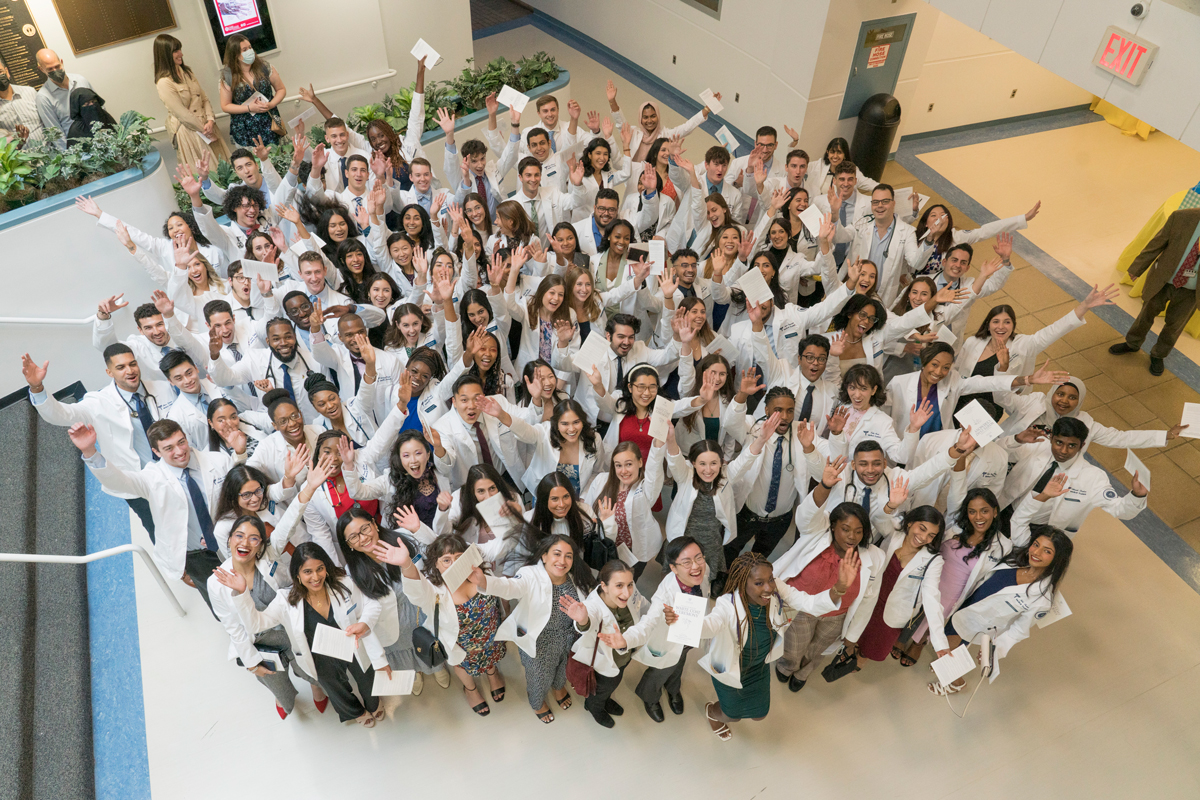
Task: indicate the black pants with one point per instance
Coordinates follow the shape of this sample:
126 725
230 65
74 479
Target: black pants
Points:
766 533
1179 303
605 687
141 507
655 679
199 565
331 674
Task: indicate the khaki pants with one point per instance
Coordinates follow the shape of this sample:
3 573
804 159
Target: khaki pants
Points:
805 640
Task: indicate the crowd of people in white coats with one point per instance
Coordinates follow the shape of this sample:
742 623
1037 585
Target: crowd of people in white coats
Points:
363 375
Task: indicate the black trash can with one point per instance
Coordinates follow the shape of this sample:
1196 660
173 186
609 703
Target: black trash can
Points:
878 120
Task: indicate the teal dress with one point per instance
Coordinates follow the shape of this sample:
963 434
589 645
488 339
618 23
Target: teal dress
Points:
753 700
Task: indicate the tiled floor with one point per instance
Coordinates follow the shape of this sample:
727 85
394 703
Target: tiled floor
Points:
486 13
1121 392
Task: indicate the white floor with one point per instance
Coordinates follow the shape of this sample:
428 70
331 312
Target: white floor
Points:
1100 705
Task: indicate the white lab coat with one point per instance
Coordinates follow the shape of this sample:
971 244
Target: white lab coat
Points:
1005 616
903 255
875 342
644 529
601 618
462 447
649 637
876 424
1088 487
902 394
727 500
534 590
987 468
984 566
241 641
1023 348
546 456
1037 408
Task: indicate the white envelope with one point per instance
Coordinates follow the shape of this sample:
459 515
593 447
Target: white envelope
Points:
401 682
1134 464
710 100
1058 610
944 334
333 642
490 511
512 98
304 116
687 628
458 572
904 201
660 419
1191 418
422 48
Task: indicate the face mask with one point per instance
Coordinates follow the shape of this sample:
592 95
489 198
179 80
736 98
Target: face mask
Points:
247 56
57 75
4 83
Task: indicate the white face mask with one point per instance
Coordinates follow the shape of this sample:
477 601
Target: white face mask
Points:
247 56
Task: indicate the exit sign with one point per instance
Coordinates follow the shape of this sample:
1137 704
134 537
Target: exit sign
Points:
1125 55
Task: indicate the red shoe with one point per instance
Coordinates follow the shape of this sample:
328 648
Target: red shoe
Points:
321 704
282 714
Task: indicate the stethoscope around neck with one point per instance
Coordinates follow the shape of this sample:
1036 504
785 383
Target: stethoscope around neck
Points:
271 367
851 484
790 465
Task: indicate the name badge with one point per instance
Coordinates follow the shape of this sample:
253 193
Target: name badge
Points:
351 608
274 567
791 335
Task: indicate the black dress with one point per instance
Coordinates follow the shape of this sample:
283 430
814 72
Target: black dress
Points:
331 673
986 368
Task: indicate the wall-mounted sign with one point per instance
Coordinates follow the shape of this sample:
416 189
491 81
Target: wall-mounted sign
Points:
19 43
238 15
1122 54
878 56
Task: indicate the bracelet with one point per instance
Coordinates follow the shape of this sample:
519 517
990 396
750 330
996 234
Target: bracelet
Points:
826 488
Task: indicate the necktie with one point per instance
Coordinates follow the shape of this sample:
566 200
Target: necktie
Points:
533 215
358 204
287 382
144 418
1189 264
620 372
485 452
237 356
866 499
342 185
164 349
839 250
312 298
553 146
204 401
481 187
200 506
425 201
355 364
1046 476
250 312
807 404
776 474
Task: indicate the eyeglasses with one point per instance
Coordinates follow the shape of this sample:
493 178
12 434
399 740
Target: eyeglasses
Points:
244 496
883 202
815 359
362 535
687 563
293 417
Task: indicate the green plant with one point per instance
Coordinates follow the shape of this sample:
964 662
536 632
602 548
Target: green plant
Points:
535 70
15 166
474 84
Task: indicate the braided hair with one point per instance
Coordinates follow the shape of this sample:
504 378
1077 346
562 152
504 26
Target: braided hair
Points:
736 582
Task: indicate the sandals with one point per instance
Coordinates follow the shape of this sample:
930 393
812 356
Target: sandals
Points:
546 716
497 694
901 654
481 709
367 720
379 714
941 691
564 702
723 733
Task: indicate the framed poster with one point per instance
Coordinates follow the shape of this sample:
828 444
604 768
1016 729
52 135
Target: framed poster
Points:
249 18
92 24
20 40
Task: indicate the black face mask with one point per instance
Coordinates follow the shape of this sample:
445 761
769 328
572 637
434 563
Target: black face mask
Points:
58 75
4 83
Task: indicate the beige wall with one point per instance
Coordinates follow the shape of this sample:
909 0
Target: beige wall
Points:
326 44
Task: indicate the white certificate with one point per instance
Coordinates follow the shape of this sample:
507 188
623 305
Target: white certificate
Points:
304 116
944 334
422 50
904 201
660 420
461 568
686 630
812 218
512 98
710 100
490 511
658 256
755 287
950 668
334 642
591 352
1191 418
983 428
1134 464
401 682
1058 610
725 137
252 269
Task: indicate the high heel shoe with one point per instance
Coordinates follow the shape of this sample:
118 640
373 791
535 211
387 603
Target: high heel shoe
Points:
279 710
321 704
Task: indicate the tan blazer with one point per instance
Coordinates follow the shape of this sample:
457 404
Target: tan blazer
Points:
1165 250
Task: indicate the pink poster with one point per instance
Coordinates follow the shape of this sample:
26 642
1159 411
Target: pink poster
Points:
237 15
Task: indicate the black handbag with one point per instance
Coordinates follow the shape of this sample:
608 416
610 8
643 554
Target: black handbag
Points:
598 549
426 643
842 665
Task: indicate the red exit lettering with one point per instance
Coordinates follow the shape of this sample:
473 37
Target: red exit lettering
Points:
1125 55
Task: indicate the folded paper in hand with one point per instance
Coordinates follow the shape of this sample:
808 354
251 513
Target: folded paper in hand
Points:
812 218
1191 418
944 334
983 428
710 100
304 116
725 137
904 201
333 642
592 353
687 628
401 682
660 420
1134 464
490 511
252 269
422 50
512 98
755 287
461 568
950 668
658 256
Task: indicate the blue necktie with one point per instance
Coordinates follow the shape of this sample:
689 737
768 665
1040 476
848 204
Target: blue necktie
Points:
312 298
553 146
200 506
776 474
287 382
165 349
143 413
204 401
343 174
425 201
237 356
866 499
839 250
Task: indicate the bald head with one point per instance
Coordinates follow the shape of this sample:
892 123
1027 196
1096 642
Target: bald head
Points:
50 65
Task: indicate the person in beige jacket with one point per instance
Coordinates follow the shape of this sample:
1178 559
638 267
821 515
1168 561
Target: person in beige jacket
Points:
190 119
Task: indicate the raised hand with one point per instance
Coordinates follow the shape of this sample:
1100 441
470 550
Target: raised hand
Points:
230 580
444 499
837 344
1002 356
491 104
919 415
1045 375
162 303
899 491
83 437
806 432
445 120
1055 487
847 570
792 133
319 156
574 110
574 609
966 442
605 508
593 121
294 463
746 247
261 152
606 127
836 421
345 450
1033 212
615 640
387 554
610 91
749 383
407 519
1098 297
1003 246
832 473
109 306
88 206
490 406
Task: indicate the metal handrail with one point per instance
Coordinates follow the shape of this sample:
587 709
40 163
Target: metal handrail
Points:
90 557
46 321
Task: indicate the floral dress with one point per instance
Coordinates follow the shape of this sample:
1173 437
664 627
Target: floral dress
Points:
478 619
244 128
